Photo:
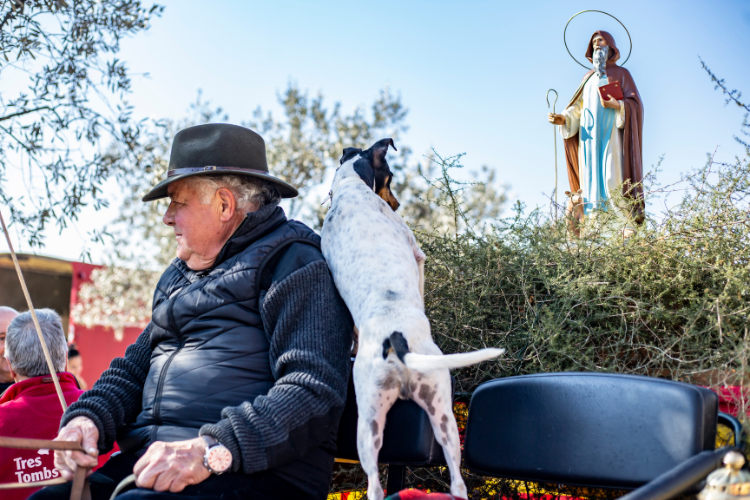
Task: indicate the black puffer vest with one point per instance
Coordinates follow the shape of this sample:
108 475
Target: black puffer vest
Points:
210 350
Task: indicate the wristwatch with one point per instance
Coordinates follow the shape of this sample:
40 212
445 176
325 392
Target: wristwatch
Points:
218 458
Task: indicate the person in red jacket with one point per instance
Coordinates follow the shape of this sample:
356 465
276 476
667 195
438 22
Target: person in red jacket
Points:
30 408
6 316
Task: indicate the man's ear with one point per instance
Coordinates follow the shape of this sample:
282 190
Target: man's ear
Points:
227 205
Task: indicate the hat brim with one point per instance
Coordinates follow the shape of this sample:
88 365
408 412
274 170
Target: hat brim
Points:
161 190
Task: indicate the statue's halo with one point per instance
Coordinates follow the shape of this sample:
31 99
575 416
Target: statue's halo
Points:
565 41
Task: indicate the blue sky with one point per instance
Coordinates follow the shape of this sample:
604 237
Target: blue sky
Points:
473 74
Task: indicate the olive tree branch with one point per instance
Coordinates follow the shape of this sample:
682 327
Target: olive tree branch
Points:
24 112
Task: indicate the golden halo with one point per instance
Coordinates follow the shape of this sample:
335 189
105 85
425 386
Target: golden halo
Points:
601 12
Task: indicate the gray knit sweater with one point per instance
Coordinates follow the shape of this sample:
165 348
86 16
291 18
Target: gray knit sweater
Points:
291 430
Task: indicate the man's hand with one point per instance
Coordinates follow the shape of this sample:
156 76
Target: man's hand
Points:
556 119
80 430
611 103
172 466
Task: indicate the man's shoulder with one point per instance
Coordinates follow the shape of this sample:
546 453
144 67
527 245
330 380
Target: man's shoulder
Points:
296 256
19 409
38 396
303 231
172 276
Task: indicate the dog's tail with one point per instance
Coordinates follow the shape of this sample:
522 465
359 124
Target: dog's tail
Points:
428 362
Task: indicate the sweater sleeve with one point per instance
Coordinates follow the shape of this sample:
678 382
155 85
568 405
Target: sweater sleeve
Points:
310 329
115 398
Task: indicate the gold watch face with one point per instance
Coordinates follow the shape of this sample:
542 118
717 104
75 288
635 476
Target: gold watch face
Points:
219 458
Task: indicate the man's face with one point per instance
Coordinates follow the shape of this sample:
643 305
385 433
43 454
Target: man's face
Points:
6 316
199 229
75 366
599 42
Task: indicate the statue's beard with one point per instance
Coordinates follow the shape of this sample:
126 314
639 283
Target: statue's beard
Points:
600 61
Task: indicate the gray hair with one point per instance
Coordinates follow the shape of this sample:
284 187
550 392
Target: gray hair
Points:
22 347
249 192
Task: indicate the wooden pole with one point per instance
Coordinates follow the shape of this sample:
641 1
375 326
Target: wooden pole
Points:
51 366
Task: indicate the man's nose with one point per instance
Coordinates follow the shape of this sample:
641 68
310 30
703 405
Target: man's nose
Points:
168 218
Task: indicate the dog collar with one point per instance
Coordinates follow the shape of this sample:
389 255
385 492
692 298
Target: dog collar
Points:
338 185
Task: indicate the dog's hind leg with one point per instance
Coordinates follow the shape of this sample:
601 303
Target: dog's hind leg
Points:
433 393
374 398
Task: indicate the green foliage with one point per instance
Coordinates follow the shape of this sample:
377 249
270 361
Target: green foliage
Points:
672 300
62 96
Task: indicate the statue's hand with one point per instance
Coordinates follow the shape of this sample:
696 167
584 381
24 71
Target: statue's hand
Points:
610 103
556 119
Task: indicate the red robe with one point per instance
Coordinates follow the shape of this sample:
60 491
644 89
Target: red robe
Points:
632 132
31 409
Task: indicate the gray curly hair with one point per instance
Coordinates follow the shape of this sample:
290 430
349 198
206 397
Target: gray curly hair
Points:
23 349
250 193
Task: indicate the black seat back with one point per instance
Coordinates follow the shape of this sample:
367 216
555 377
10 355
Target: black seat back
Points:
589 429
407 439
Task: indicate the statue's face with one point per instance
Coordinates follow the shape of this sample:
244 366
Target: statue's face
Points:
599 41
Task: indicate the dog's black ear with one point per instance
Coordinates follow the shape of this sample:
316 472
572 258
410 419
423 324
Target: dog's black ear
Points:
363 168
348 153
379 149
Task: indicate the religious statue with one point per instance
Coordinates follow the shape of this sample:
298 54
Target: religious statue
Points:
603 136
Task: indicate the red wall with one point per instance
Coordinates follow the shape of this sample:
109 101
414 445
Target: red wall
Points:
97 345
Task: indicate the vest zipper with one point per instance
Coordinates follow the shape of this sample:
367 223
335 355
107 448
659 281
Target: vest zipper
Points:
160 384
163 373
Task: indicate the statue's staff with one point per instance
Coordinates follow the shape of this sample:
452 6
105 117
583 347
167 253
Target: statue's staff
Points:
47 357
554 132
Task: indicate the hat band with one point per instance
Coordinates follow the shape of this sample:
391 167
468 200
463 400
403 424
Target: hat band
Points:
182 171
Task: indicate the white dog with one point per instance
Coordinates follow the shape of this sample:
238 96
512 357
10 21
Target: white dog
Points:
378 269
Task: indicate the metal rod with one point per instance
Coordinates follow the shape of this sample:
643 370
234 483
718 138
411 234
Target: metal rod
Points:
554 132
47 356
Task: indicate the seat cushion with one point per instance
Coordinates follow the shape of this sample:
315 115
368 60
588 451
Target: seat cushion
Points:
589 429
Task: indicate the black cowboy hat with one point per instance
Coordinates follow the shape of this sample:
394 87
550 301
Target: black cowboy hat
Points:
218 149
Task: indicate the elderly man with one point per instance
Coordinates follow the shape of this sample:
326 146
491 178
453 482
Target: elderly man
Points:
603 136
236 387
31 408
6 316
